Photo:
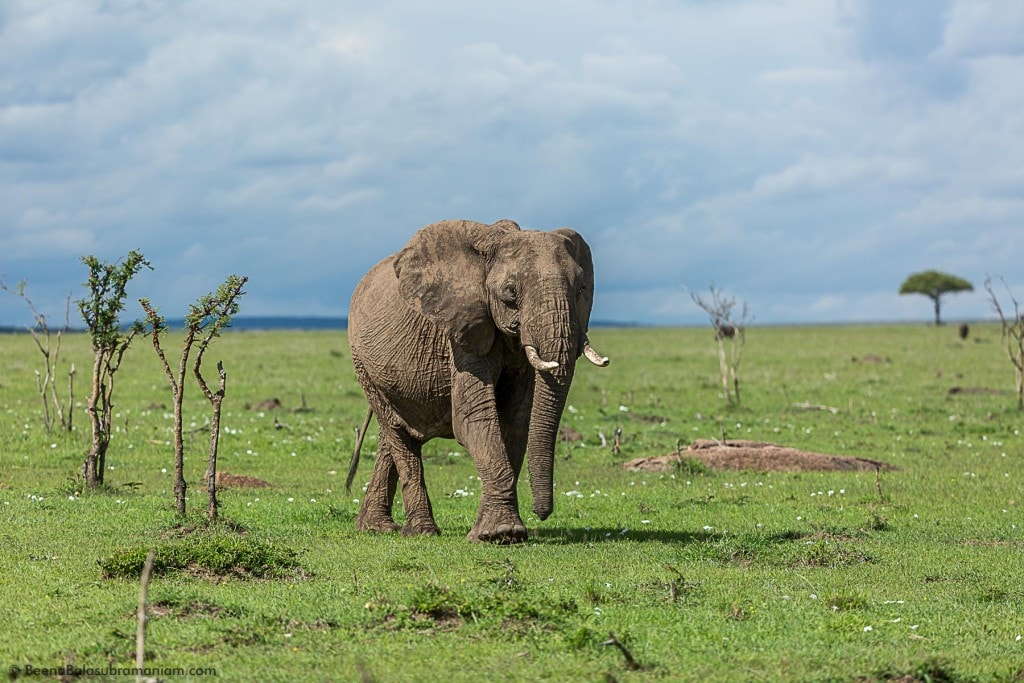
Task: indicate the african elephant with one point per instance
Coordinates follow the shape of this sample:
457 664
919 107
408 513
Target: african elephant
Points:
471 332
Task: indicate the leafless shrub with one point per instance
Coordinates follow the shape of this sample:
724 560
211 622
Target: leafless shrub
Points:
48 344
1013 333
730 335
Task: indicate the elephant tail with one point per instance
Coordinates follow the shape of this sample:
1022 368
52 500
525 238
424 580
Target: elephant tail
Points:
354 465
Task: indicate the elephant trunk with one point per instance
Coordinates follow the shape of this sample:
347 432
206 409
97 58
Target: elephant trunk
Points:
554 361
549 396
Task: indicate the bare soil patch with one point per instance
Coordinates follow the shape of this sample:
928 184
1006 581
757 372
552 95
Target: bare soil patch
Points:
740 454
240 481
268 404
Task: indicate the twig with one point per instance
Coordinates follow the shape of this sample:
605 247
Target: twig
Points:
631 663
807 405
878 482
140 633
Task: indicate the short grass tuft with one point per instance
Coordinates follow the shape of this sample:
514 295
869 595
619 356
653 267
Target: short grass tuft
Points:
214 554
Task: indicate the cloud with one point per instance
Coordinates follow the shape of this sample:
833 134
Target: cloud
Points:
782 149
978 29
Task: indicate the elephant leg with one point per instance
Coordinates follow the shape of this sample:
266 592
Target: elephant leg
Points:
477 428
408 458
514 412
375 512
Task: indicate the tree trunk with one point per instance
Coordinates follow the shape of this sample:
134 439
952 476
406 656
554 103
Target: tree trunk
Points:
216 400
723 368
92 475
180 487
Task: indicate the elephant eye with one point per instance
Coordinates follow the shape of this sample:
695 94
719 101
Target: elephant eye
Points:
509 293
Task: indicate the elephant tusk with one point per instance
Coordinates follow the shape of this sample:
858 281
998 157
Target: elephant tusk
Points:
593 356
537 363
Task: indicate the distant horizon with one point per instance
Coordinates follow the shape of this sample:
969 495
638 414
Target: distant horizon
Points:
254 323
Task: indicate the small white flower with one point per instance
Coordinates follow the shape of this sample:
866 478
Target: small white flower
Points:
868 628
291 500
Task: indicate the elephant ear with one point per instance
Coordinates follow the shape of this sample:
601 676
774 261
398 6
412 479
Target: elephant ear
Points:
441 274
580 251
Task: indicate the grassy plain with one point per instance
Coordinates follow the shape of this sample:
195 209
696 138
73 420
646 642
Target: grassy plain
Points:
710 576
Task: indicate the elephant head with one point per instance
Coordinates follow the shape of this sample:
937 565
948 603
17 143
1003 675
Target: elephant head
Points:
477 281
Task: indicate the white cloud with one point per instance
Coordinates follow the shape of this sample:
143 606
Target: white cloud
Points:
780 148
976 28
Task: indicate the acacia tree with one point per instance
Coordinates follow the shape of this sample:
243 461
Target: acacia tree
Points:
46 382
729 331
205 319
1013 334
935 284
100 310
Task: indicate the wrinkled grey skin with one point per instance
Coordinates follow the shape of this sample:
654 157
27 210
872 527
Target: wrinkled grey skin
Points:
439 335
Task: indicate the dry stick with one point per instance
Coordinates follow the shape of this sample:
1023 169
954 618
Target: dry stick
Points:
631 663
878 482
140 632
71 398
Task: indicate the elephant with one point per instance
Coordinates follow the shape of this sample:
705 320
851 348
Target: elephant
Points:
471 332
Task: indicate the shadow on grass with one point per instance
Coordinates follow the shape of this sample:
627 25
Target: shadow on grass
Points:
556 535
565 535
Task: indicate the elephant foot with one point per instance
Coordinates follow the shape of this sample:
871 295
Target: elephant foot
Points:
379 523
498 528
420 528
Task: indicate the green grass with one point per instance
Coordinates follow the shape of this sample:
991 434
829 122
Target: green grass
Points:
915 575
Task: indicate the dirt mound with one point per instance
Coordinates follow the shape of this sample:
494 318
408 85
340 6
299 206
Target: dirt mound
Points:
268 404
240 481
755 455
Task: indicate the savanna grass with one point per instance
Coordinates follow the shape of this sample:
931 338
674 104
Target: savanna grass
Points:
910 574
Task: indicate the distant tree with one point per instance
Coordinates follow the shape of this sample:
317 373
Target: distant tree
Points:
46 382
1013 334
730 332
935 284
100 310
204 321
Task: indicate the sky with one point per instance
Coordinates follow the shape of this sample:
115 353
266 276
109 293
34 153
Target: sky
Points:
802 156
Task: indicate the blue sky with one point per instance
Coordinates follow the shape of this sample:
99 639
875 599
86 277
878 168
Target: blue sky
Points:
805 156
